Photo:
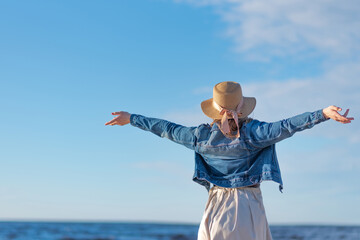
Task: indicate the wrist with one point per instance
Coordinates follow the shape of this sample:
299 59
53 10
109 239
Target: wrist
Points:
324 114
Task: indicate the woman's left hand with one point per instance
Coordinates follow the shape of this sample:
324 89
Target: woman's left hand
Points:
122 118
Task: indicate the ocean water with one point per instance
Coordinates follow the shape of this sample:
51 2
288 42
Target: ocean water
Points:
153 231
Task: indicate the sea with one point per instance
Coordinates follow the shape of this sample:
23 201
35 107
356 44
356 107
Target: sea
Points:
155 231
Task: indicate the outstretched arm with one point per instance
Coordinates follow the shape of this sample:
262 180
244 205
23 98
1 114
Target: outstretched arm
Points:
264 134
162 128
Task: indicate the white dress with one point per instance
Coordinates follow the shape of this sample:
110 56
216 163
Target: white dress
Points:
234 214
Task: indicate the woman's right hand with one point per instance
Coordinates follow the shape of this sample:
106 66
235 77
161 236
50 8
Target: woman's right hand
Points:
122 118
332 112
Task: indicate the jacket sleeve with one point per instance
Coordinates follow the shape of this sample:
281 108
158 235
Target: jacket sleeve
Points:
263 134
165 129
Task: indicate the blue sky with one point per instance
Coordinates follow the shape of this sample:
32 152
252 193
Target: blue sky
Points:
66 65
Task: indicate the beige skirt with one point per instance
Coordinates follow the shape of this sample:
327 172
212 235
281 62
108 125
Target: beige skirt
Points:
234 214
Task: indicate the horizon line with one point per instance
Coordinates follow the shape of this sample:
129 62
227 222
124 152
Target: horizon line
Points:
122 221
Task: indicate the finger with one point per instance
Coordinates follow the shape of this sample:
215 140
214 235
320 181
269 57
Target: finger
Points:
341 119
346 113
343 122
110 122
350 118
347 120
116 113
333 107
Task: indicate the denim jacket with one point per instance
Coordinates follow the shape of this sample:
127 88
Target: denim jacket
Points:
244 161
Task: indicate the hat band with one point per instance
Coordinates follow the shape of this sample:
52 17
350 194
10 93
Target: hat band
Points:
220 108
224 125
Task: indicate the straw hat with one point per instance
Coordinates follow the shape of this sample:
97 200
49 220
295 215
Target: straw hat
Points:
228 95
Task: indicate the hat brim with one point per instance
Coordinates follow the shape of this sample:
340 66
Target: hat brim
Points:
210 111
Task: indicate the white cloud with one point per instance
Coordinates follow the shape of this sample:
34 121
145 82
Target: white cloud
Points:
266 28
262 29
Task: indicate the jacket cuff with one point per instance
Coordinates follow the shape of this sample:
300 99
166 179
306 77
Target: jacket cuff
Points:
133 118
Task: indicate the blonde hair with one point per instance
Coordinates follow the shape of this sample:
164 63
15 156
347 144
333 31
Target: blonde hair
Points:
232 124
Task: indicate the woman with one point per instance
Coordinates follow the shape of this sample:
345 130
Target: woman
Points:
233 156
